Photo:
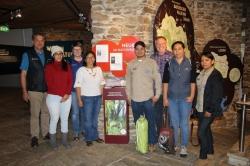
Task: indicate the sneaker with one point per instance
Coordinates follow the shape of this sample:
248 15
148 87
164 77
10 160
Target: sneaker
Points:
183 152
34 142
46 137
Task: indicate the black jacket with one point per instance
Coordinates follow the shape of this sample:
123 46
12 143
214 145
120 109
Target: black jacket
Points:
35 73
213 94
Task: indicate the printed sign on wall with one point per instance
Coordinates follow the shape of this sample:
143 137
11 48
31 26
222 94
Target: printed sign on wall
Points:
112 57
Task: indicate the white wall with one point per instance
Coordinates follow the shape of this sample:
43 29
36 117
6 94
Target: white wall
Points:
16 37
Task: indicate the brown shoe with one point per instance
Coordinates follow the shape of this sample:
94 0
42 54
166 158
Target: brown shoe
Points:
151 148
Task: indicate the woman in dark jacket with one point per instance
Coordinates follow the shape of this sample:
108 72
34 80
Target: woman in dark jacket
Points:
209 96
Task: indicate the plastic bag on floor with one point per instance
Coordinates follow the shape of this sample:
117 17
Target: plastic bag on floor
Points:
142 135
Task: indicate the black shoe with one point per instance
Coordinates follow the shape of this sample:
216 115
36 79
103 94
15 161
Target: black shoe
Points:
210 152
76 138
99 140
34 142
46 137
89 143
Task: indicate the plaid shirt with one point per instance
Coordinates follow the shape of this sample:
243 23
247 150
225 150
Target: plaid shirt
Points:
161 60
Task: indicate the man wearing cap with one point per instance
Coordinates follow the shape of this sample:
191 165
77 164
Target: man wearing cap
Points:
142 74
161 56
34 87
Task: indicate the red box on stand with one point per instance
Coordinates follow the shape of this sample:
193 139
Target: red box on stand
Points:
116 115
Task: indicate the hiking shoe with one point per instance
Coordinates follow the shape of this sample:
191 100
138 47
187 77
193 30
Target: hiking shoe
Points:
34 142
183 152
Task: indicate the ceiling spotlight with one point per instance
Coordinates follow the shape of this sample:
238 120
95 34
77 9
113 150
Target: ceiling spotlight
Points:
88 26
18 13
12 16
82 18
15 14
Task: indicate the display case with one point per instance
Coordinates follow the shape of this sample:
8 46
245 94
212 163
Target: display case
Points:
116 115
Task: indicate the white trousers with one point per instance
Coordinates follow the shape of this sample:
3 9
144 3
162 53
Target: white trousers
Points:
58 110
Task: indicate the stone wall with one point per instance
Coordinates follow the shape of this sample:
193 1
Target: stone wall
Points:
246 75
212 19
246 78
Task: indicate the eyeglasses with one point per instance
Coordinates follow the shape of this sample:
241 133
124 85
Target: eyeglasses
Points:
58 53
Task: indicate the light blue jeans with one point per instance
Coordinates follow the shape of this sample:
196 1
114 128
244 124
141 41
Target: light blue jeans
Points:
58 110
77 116
179 111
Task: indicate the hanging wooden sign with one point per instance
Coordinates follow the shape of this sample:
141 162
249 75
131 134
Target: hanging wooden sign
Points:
174 22
228 64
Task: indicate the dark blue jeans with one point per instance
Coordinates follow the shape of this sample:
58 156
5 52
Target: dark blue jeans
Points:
205 135
91 107
158 110
146 108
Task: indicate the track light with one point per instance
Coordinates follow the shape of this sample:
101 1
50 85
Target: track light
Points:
18 13
15 14
82 19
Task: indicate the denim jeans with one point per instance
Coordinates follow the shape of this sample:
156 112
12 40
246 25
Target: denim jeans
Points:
58 109
77 116
158 110
91 107
146 108
179 111
205 135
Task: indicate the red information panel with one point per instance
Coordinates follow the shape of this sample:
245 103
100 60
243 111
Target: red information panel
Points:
116 115
112 57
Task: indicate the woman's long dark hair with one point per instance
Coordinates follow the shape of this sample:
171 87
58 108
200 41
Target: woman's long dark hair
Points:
64 64
85 57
